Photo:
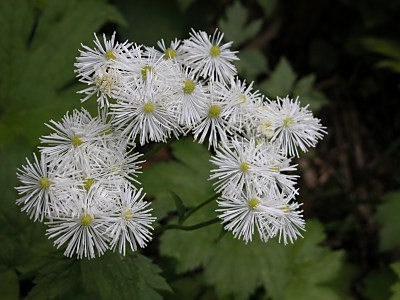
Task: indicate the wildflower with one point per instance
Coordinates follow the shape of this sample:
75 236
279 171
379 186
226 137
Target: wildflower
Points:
295 126
208 57
130 222
100 57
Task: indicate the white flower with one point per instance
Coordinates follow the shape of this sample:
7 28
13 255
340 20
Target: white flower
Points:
208 57
244 165
73 135
188 99
241 101
37 190
174 51
213 119
101 56
270 215
83 230
143 111
105 83
295 126
130 222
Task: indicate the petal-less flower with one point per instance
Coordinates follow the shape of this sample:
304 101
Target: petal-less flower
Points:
131 222
208 57
295 126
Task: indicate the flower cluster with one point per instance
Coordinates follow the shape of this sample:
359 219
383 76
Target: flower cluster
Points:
84 184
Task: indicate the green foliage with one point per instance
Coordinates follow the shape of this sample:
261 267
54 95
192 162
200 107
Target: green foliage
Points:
282 82
39 55
268 6
396 287
187 177
252 63
235 27
388 216
377 284
110 277
388 48
230 266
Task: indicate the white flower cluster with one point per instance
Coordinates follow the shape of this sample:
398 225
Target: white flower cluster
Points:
84 183
83 186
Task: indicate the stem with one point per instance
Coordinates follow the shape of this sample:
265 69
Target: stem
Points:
186 228
196 208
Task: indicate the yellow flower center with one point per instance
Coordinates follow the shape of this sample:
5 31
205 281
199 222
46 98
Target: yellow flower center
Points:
244 167
243 98
86 219
76 141
286 208
253 203
287 121
214 111
189 86
144 71
87 183
110 55
148 108
169 53
44 183
215 51
127 214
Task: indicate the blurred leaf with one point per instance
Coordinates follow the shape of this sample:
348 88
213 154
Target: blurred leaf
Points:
299 271
9 285
191 249
377 283
393 65
109 277
385 47
281 81
396 287
57 279
388 215
184 4
252 63
117 277
304 88
268 6
235 27
39 53
187 177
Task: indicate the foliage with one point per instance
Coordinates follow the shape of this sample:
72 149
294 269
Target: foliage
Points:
344 65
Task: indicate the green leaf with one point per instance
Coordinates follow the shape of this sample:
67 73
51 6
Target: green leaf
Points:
387 215
187 177
185 4
396 287
9 285
58 278
304 89
109 277
299 271
117 277
377 284
180 207
268 6
385 47
252 63
281 81
39 47
235 27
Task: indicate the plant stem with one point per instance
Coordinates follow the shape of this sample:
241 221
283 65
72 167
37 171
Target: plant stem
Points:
186 228
196 208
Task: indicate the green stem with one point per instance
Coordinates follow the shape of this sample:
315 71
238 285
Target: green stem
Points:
196 208
186 228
